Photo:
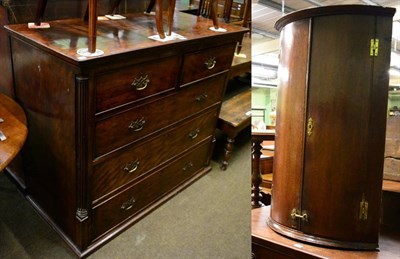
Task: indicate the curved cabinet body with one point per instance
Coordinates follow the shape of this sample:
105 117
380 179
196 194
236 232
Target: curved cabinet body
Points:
331 119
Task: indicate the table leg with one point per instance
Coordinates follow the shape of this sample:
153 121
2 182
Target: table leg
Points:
256 174
228 152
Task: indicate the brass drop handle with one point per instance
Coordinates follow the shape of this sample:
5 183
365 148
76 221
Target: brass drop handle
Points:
294 215
141 83
310 126
132 166
210 63
138 124
188 166
193 134
202 97
128 204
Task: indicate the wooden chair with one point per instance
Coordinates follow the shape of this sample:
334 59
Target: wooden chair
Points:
91 17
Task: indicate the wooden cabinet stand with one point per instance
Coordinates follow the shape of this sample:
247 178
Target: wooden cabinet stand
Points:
114 136
331 118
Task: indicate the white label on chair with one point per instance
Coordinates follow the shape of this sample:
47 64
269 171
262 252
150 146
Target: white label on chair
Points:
218 30
2 136
115 17
174 36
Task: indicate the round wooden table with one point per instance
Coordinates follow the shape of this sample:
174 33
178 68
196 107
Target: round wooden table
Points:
13 126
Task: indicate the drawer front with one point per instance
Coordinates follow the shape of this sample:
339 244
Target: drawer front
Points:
136 82
147 191
207 62
148 118
139 159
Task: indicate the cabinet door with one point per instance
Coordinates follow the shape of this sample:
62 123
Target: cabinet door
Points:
290 131
341 98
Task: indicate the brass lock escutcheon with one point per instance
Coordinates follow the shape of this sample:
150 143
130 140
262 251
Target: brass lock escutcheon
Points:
193 134
310 126
297 215
210 63
132 166
138 124
141 82
128 204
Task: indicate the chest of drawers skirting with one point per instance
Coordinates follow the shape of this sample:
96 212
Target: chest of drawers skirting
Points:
112 137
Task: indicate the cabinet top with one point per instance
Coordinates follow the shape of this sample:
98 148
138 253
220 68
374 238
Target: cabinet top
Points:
334 10
120 37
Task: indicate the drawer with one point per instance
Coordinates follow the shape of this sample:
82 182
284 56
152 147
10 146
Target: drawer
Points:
132 83
207 62
133 124
126 166
149 190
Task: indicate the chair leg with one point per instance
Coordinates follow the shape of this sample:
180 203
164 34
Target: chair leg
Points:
151 6
171 11
41 6
114 7
159 18
214 6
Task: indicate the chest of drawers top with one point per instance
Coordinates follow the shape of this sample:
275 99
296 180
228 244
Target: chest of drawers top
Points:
126 39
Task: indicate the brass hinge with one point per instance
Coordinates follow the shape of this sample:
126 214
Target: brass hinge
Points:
363 208
373 51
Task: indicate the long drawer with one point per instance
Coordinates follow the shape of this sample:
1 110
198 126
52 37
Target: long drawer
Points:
206 62
152 117
127 165
133 83
144 193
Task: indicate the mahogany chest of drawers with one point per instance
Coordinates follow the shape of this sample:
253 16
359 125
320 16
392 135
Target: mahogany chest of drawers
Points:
112 137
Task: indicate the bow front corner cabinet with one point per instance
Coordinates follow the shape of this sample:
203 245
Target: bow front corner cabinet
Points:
112 137
331 117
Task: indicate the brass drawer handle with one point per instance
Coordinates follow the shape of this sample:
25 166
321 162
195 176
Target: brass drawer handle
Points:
193 134
188 166
138 124
141 83
210 63
310 126
128 204
295 215
132 166
202 97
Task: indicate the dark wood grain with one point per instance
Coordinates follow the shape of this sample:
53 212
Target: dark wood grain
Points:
115 132
330 142
267 242
110 174
67 36
290 131
79 111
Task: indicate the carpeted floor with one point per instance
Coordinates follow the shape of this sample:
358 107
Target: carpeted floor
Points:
209 219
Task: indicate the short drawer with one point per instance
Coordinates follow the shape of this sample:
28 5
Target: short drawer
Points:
133 124
135 161
206 62
132 83
123 206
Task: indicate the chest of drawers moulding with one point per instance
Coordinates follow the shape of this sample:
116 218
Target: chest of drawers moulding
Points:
65 99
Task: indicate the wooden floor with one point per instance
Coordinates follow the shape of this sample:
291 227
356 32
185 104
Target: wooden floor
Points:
265 238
